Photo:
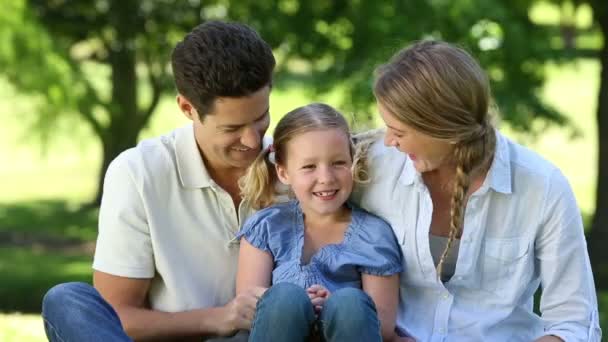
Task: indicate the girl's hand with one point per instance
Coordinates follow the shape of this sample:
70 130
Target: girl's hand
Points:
318 294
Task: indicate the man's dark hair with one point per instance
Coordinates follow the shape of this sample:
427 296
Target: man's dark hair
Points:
221 59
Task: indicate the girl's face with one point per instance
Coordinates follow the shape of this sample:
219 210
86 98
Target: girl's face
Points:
318 169
427 153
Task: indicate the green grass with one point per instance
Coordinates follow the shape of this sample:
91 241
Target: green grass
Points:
27 273
49 220
16 327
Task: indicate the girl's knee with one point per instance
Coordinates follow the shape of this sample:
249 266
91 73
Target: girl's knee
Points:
350 301
285 298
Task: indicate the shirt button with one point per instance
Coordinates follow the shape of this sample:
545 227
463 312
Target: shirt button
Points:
446 295
442 331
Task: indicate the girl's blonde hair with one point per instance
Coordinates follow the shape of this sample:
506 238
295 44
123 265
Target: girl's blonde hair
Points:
258 185
439 90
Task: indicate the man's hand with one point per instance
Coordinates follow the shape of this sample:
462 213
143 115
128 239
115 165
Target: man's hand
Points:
238 313
318 294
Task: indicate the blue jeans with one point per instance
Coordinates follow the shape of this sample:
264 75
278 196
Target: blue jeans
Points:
77 312
285 313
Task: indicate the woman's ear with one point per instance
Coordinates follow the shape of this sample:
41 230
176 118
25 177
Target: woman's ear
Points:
282 174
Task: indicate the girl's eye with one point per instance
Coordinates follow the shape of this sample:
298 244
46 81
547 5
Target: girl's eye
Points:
309 166
340 163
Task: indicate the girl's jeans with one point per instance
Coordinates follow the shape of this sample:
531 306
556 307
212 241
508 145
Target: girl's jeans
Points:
285 313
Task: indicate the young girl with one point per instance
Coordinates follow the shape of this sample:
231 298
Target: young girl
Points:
317 251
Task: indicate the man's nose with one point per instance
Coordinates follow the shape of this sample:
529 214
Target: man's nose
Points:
251 138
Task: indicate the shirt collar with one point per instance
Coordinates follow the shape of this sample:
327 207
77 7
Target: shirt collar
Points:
499 174
190 164
409 175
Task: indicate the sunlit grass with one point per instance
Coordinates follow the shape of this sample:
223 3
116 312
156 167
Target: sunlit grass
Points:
16 327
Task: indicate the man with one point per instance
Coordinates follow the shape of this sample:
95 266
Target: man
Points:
166 256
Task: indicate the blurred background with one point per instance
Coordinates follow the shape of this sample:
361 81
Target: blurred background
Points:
80 81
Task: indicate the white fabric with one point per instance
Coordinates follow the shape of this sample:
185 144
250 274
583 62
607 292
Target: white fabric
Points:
522 229
163 217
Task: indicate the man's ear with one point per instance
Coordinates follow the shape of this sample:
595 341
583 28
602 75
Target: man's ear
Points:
186 106
282 173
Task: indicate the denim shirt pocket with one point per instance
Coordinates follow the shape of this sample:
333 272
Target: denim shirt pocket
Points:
502 261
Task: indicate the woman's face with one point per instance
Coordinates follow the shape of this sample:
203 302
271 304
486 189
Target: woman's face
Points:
427 153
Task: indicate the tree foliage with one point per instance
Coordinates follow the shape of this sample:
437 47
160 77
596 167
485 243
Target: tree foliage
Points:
107 60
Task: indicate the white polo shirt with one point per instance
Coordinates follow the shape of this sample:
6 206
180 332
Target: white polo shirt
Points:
522 229
163 217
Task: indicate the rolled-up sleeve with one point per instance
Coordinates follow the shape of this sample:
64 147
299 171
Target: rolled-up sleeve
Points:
568 303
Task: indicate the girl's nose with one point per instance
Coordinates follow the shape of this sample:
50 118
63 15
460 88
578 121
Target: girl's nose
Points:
326 175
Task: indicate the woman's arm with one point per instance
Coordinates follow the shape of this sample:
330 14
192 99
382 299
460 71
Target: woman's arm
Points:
385 293
568 302
255 268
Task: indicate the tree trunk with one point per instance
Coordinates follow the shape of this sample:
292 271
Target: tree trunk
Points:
112 147
599 228
125 118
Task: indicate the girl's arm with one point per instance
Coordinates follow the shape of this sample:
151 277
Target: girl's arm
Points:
255 268
385 293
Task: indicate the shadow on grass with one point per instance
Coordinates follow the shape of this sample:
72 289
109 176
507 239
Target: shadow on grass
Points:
42 243
26 275
52 220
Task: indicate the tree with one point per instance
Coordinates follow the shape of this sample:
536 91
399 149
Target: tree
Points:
323 43
599 227
59 48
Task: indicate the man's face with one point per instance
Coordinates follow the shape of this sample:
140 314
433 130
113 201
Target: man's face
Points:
230 136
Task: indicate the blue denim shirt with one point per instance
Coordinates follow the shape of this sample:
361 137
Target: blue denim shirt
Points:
369 246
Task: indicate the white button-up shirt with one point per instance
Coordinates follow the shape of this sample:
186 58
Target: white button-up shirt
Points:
163 217
522 229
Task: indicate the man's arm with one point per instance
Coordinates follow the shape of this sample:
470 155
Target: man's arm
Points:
128 297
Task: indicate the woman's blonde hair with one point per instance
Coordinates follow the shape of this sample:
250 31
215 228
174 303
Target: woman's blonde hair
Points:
439 90
258 185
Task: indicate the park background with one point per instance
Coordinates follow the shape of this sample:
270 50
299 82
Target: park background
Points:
82 80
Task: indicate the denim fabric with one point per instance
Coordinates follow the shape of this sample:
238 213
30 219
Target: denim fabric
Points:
285 313
369 246
77 312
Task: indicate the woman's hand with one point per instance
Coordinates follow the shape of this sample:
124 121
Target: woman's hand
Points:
318 294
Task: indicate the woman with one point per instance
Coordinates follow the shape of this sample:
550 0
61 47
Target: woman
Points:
482 221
